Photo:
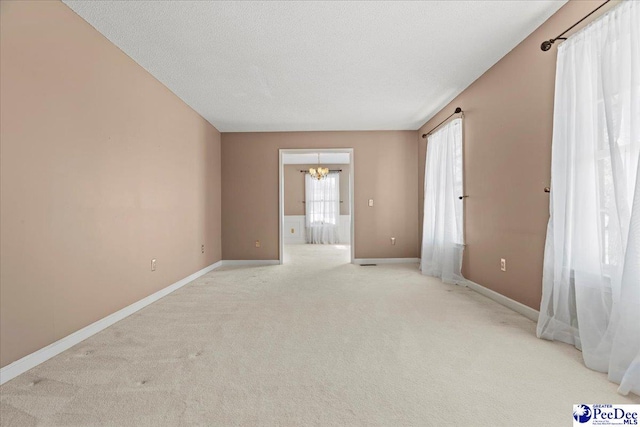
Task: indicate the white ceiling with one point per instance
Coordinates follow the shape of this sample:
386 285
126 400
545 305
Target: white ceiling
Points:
312 158
287 66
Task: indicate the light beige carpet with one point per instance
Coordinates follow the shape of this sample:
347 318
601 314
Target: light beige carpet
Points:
316 341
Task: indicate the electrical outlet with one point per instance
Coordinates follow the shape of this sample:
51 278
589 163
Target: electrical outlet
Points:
503 264
153 264
393 240
257 243
293 230
370 203
202 249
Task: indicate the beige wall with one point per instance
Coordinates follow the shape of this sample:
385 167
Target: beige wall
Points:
507 149
294 188
386 170
102 169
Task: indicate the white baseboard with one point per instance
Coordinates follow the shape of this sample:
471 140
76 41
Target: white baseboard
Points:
361 261
247 262
34 359
526 311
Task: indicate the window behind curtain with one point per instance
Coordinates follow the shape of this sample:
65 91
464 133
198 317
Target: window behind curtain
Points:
443 222
322 216
591 273
325 196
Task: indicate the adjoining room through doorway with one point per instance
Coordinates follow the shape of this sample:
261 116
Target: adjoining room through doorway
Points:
316 202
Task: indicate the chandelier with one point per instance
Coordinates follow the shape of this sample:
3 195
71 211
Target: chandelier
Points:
318 172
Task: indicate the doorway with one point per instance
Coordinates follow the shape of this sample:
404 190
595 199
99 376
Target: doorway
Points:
316 212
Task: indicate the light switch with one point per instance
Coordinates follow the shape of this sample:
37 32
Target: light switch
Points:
370 202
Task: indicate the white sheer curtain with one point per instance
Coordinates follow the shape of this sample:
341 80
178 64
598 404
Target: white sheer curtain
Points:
322 201
591 280
442 230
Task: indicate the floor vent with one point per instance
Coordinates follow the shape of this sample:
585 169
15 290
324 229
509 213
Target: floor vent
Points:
368 265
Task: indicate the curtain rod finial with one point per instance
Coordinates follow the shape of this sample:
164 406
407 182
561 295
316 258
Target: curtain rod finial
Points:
546 45
458 110
424 135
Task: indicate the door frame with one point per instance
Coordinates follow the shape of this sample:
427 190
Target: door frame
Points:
283 151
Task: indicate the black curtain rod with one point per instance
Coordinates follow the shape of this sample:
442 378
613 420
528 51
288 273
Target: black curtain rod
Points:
330 170
458 110
546 45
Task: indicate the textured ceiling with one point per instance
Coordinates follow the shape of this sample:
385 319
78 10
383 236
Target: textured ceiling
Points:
285 66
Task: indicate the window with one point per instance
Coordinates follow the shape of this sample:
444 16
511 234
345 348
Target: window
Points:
322 219
324 196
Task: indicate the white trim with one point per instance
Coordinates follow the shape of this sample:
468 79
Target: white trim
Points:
352 204
247 262
297 222
39 356
352 175
345 230
526 311
361 261
280 206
